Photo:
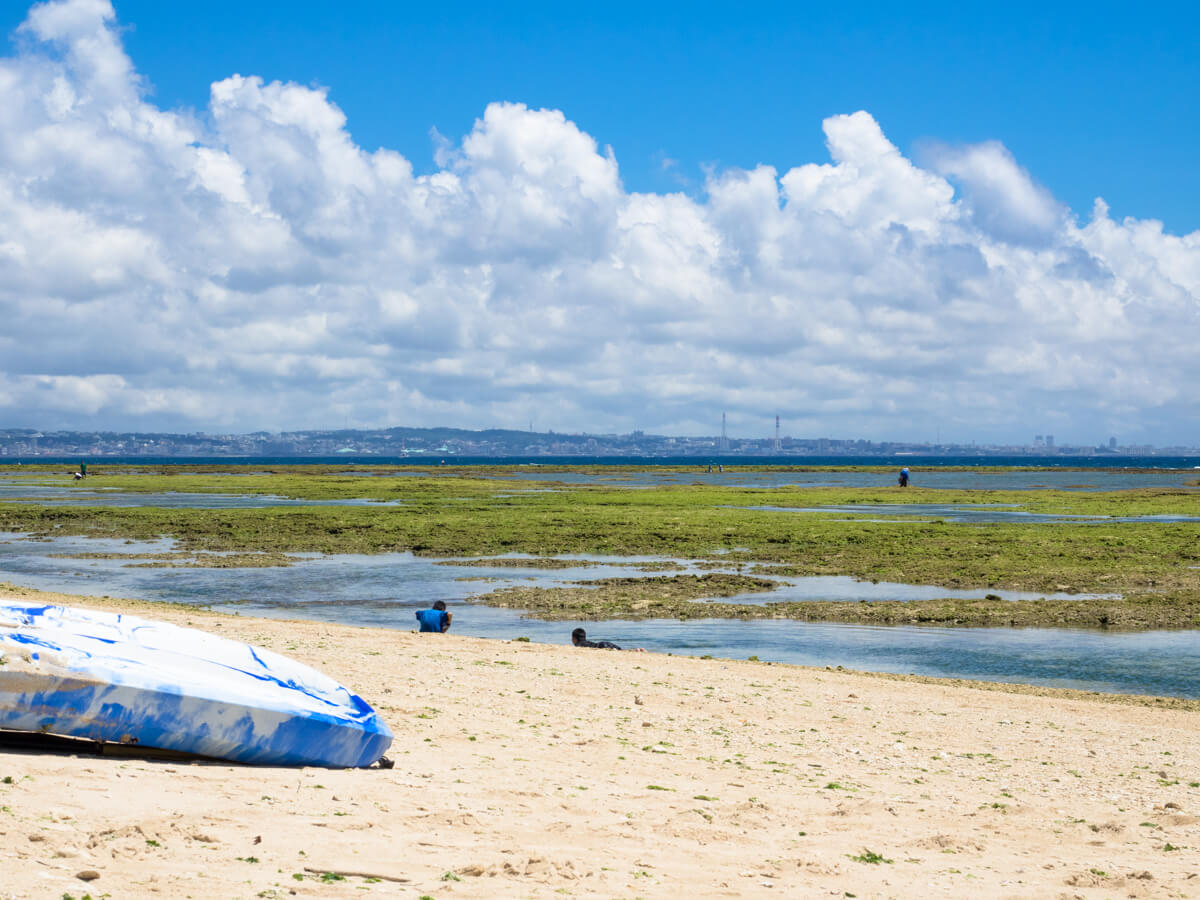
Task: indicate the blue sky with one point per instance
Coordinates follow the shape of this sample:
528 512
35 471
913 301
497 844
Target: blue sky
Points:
876 221
1096 99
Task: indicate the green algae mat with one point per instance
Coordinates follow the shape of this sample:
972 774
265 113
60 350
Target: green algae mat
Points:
1151 569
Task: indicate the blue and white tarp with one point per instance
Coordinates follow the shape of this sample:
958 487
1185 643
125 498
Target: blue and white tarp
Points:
109 677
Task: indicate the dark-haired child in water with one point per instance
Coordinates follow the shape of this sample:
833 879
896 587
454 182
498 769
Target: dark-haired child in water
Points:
579 639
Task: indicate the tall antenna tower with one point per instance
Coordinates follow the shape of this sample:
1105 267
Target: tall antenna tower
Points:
724 437
778 446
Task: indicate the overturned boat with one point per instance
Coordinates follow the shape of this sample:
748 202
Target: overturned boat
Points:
131 681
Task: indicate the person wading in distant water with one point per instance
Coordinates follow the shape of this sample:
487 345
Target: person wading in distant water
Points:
904 478
437 619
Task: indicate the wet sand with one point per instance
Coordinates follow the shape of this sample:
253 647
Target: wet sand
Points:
527 770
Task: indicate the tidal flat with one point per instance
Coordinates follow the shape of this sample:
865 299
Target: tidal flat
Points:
1150 570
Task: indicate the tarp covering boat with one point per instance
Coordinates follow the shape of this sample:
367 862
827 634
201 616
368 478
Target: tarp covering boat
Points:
124 679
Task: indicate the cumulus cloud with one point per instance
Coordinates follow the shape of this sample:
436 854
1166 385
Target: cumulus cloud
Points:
1001 198
259 269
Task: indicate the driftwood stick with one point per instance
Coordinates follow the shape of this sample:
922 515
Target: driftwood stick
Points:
346 873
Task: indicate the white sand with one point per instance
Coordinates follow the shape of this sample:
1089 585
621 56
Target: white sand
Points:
525 770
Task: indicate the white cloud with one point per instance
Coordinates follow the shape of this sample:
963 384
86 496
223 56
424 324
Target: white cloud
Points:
264 271
871 185
1000 197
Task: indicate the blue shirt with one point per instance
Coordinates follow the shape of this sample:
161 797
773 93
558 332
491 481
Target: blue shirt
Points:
431 619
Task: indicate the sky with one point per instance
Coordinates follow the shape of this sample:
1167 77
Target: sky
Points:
912 222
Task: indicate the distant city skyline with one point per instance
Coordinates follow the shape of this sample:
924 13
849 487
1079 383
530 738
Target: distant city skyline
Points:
427 443
940 222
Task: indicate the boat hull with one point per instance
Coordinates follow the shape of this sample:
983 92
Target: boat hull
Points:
124 679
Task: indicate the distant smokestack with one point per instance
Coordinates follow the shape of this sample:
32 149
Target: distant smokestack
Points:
778 446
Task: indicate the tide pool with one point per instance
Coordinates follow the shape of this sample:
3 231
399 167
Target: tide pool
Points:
385 591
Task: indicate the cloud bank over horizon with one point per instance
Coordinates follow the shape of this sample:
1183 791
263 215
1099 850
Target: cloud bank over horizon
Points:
249 266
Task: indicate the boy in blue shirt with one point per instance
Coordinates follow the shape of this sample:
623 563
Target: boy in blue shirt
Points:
436 619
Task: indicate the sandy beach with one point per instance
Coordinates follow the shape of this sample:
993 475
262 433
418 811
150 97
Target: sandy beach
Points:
527 770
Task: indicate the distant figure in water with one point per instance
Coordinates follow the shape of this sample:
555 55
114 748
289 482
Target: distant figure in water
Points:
904 478
720 468
579 639
437 619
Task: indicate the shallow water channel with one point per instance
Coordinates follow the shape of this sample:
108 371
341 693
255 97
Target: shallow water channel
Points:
63 490
68 494
385 591
948 479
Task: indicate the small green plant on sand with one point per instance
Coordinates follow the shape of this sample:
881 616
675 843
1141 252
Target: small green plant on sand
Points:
870 856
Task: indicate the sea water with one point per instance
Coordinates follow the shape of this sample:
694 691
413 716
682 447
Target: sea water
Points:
385 590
